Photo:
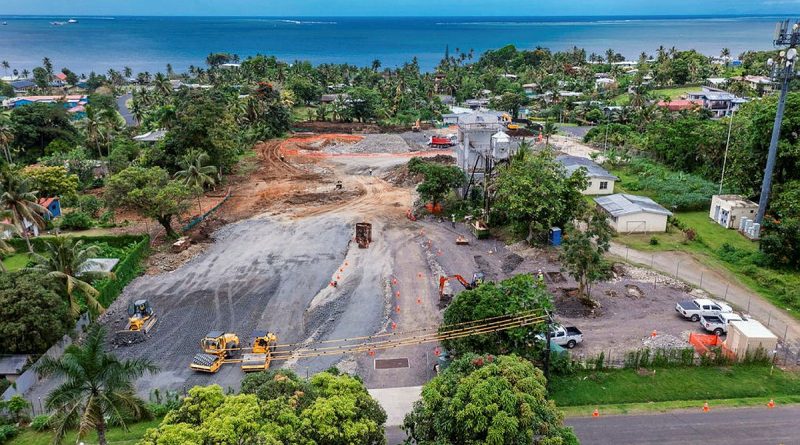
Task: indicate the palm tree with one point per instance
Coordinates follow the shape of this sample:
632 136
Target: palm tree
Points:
524 151
61 260
5 248
6 66
20 201
6 137
548 129
93 124
127 72
25 73
97 386
196 173
162 84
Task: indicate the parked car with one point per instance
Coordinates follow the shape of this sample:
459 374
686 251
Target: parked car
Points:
699 307
718 324
568 336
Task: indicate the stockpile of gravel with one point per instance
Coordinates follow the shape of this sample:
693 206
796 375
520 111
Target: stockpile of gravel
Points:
372 143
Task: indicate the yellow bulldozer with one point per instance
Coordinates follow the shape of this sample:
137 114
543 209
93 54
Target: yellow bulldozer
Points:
141 319
220 348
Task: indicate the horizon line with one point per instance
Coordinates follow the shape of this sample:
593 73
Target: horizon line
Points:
640 16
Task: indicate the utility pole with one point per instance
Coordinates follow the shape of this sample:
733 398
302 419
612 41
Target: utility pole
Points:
782 71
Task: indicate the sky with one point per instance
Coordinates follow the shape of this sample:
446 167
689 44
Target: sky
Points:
325 8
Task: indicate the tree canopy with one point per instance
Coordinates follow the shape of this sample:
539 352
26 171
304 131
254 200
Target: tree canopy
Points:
276 407
537 194
514 295
495 400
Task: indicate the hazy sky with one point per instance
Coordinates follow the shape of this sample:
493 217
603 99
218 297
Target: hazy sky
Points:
397 7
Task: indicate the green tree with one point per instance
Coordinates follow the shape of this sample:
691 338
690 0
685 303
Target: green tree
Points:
548 130
363 103
509 102
439 179
514 295
34 315
276 407
489 400
20 201
583 250
150 192
537 194
304 89
52 181
37 125
6 137
196 174
97 386
61 261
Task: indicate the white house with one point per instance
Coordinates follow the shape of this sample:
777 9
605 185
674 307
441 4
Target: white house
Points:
728 210
634 214
601 182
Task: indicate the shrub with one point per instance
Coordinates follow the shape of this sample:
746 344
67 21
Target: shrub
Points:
674 190
76 220
90 205
653 241
40 422
34 315
7 432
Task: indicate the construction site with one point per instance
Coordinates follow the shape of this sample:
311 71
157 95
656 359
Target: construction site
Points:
316 261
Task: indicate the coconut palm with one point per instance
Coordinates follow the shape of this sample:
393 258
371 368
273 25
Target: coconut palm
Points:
92 124
524 151
61 260
162 84
6 137
6 66
20 201
548 130
5 248
196 173
96 386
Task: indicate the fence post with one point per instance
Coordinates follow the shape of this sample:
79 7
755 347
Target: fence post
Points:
652 260
748 304
701 278
627 250
769 319
785 333
726 292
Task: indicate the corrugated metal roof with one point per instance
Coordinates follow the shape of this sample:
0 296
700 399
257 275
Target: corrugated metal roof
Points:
624 204
573 163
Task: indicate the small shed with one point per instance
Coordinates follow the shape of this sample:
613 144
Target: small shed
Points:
601 182
11 366
746 336
728 210
53 205
634 214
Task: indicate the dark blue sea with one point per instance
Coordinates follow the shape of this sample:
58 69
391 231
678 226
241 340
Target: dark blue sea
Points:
149 43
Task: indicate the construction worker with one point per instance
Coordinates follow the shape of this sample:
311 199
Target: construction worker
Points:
540 278
453 220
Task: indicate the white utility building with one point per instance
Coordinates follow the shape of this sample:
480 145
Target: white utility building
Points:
728 210
634 214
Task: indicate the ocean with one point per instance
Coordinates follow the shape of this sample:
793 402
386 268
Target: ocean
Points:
149 43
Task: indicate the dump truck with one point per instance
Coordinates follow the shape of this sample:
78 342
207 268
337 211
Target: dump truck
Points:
141 319
363 234
440 142
217 346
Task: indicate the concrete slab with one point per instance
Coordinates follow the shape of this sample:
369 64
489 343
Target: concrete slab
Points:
397 402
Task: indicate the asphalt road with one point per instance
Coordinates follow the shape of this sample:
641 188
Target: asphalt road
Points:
750 426
122 106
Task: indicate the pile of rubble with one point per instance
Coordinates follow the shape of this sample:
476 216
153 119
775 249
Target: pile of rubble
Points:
665 341
163 260
649 276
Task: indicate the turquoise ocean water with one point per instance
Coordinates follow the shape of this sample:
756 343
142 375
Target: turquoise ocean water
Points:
149 43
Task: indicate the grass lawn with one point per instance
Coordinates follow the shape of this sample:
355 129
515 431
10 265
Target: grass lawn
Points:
15 262
116 436
300 113
775 285
674 387
672 93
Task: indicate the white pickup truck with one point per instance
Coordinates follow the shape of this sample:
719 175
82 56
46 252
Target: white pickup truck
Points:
701 307
718 324
568 336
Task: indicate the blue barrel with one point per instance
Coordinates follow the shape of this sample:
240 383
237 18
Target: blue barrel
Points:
555 236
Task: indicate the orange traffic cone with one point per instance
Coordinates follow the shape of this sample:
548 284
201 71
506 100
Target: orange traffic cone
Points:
771 404
596 413
706 408
654 333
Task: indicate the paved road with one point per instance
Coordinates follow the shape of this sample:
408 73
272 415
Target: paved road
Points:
749 426
719 283
122 106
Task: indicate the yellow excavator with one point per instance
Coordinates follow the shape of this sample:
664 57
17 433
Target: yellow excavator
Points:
141 319
220 348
